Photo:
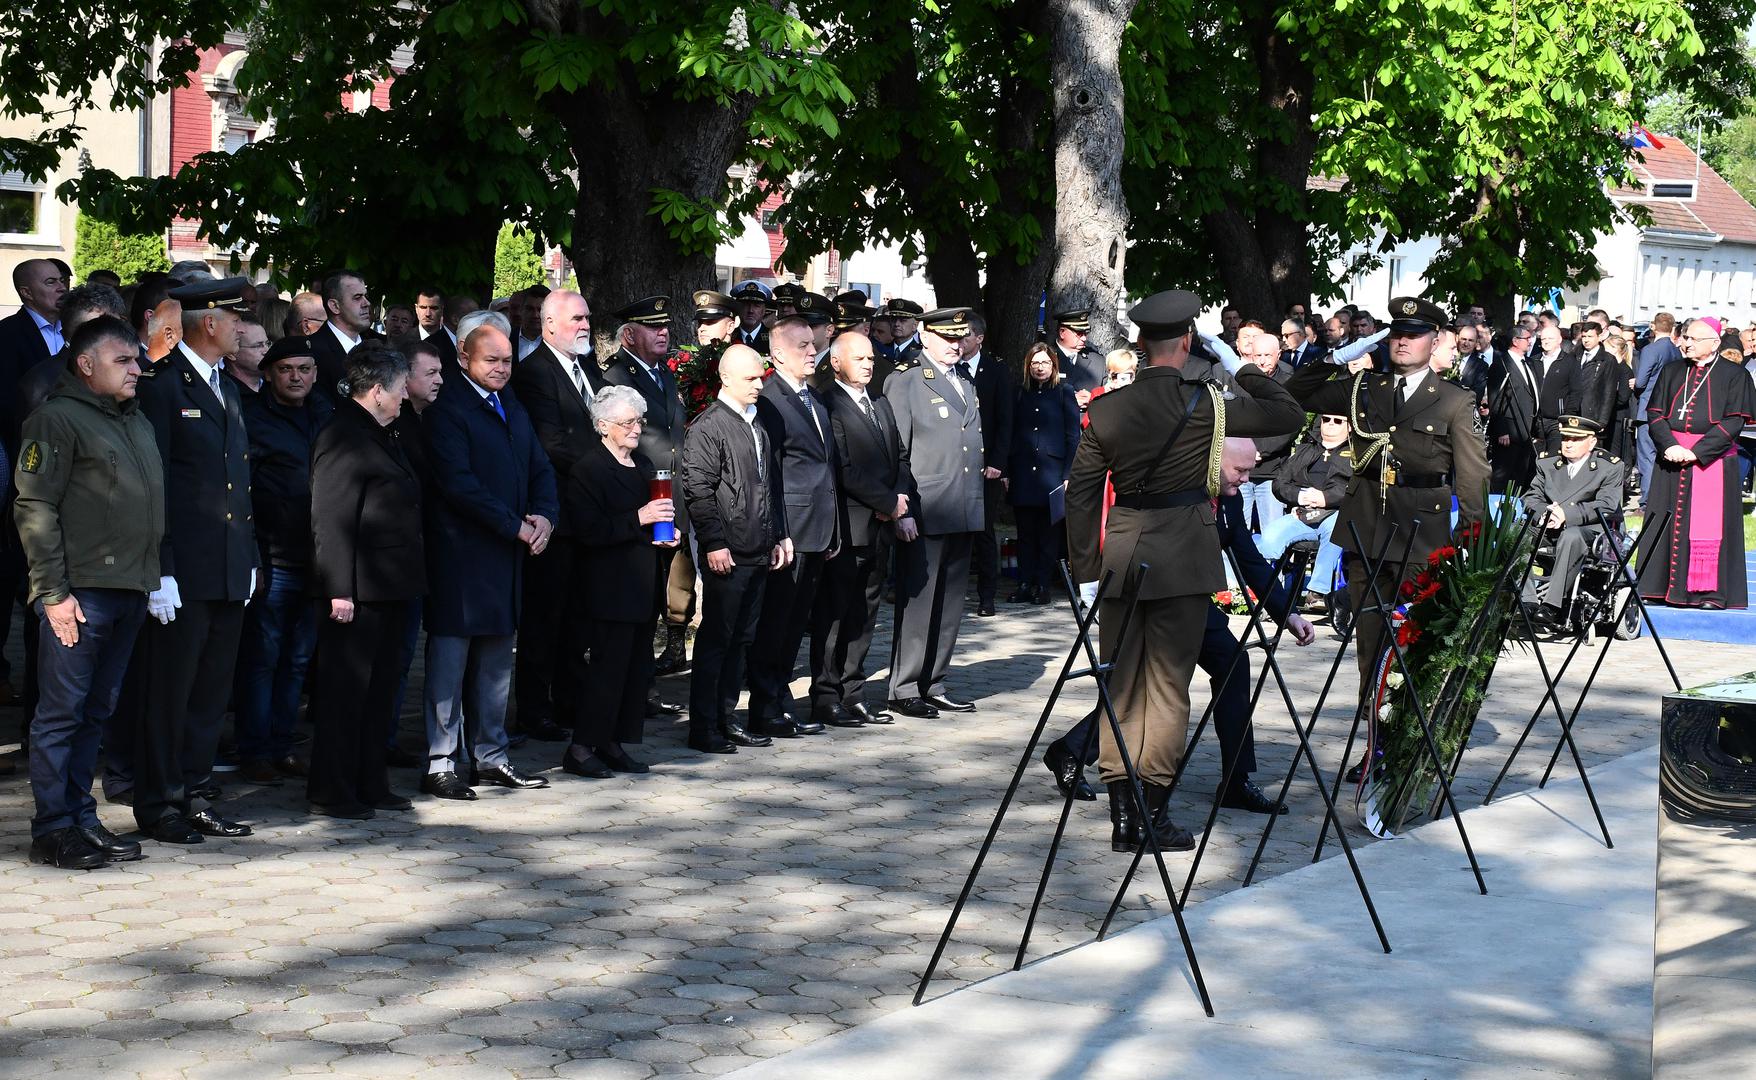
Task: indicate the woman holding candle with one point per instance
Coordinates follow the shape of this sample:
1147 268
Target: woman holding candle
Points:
611 510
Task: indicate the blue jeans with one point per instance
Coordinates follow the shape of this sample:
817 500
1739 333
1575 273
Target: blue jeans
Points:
1283 532
1259 494
280 630
77 691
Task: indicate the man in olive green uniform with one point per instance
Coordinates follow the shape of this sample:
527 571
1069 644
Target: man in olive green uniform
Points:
1414 445
1567 492
1159 443
90 513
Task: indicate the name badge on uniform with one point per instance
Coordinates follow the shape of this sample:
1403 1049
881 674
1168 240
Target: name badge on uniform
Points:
944 413
191 414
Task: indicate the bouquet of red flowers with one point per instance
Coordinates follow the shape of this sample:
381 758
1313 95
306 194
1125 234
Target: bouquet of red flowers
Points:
697 370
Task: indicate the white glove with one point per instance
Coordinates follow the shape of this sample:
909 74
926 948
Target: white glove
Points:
1228 359
1087 594
252 591
162 603
1356 349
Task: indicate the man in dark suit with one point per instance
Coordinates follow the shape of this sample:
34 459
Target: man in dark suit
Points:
873 497
493 500
430 324
208 566
1296 350
1658 352
1475 358
939 426
554 383
905 348
997 398
731 482
1514 383
1587 380
1082 365
645 337
752 298
349 308
797 426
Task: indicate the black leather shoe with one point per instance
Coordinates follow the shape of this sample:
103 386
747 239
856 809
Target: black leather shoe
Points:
346 813
675 657
1358 772
618 759
836 718
1041 595
65 849
779 728
291 766
1069 777
711 743
986 610
859 709
587 766
916 707
208 823
114 848
446 785
1245 795
548 731
508 775
393 801
946 704
1124 818
660 709
738 735
808 727
172 829
1171 836
1019 595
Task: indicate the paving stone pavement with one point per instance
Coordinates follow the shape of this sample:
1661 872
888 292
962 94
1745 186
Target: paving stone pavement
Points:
689 921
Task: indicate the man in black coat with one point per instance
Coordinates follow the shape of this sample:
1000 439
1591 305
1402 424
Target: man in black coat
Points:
1586 381
752 298
554 383
797 425
1514 384
872 497
731 483
280 624
493 500
1082 365
997 399
349 308
208 566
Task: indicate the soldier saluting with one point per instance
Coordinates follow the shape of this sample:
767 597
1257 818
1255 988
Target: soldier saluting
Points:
1163 516
1414 446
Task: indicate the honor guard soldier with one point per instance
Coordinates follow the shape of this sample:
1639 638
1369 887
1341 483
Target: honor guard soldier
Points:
1564 499
1082 366
1414 446
939 426
1164 516
208 568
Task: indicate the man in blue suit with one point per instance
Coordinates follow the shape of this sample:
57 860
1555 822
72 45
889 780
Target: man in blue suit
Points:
1661 350
1218 649
495 501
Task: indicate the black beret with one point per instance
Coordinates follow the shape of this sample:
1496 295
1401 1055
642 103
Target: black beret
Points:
906 309
1166 315
652 311
213 293
1416 315
711 305
296 345
947 322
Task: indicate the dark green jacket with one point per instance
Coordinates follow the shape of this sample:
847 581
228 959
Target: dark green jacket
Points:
91 495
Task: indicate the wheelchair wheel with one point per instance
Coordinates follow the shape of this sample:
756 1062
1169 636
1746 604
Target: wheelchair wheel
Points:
1628 626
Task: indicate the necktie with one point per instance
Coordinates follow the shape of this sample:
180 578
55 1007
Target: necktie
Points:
578 378
871 417
810 409
1401 391
213 381
963 372
494 400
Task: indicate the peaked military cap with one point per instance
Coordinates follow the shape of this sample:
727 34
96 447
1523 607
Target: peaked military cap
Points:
1416 315
752 290
1074 318
814 308
906 309
788 292
947 322
849 313
711 305
213 293
1166 315
852 296
652 311
295 345
1578 426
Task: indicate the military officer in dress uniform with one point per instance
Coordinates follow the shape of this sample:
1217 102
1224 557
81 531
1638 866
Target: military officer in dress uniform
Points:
905 348
939 426
1160 445
208 567
1414 446
752 298
1564 499
849 317
1082 366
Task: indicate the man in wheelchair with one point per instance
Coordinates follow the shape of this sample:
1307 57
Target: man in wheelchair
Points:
1564 499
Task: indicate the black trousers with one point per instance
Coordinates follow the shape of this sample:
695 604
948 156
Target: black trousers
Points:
786 613
1039 546
1231 710
615 674
844 618
356 689
730 606
186 682
544 679
987 549
932 578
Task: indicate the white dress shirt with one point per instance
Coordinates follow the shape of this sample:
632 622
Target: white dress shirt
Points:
347 343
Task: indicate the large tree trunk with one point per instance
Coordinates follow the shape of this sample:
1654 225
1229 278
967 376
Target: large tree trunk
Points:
1264 252
1025 176
1091 214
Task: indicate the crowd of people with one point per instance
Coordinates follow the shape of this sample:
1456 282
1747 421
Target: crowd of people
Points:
229 503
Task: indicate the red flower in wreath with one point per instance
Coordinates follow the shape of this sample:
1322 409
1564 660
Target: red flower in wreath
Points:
1408 633
1441 555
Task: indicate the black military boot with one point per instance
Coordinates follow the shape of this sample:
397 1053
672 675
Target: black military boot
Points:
675 657
1171 836
1124 818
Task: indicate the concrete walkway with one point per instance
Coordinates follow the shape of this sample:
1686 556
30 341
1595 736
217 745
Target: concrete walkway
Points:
1549 974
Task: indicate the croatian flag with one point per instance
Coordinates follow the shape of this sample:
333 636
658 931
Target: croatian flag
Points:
1642 137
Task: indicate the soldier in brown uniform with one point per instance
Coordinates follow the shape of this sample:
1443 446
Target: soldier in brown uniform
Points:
1164 517
1414 445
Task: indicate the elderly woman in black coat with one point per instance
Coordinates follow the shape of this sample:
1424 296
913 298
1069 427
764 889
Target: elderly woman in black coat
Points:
369 567
1045 432
618 587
